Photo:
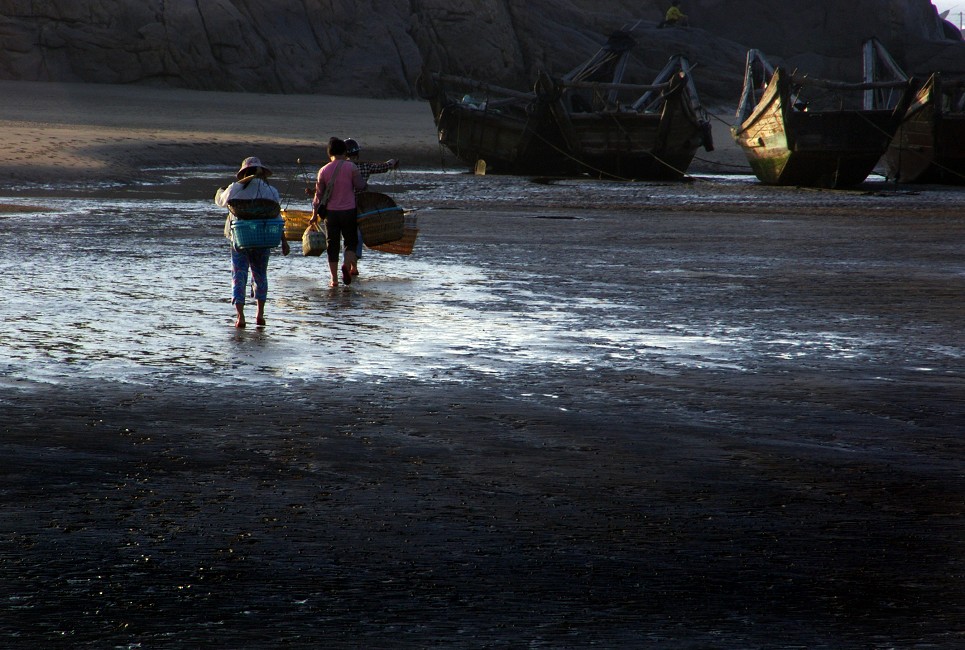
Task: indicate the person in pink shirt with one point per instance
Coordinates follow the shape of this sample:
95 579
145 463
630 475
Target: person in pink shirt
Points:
340 179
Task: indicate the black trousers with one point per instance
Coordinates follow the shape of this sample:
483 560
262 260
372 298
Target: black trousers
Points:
341 224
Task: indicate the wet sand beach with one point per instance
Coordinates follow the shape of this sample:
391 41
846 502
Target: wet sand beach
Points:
705 414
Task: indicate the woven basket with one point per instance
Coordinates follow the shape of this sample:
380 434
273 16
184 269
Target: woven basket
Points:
296 221
380 220
253 208
313 241
404 245
399 246
257 233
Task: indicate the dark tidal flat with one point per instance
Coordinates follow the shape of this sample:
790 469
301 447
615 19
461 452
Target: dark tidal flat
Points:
581 414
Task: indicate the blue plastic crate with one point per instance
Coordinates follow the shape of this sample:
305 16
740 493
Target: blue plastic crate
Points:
257 233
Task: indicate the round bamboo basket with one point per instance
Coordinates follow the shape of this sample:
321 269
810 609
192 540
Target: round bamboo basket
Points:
404 245
296 221
380 220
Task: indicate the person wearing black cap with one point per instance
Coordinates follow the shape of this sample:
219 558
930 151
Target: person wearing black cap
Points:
252 183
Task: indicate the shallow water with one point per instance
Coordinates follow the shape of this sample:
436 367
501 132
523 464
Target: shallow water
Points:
118 283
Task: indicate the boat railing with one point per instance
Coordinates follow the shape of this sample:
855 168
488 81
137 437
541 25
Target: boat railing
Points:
651 96
507 95
818 94
601 85
606 96
884 85
829 84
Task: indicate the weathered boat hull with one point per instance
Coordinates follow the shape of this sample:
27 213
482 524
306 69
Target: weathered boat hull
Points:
513 134
581 122
635 145
929 145
831 149
511 144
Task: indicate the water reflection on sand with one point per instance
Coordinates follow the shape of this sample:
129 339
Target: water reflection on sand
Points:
121 284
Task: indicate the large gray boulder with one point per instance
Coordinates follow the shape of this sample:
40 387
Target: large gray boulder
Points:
377 48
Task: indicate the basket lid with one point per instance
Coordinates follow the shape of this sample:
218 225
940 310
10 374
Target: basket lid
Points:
370 201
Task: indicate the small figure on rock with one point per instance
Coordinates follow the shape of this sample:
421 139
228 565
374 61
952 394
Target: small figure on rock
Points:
674 16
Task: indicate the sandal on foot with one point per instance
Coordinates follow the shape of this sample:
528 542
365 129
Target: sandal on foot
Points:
346 275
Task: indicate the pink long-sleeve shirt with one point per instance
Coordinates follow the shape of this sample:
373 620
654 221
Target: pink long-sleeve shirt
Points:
343 192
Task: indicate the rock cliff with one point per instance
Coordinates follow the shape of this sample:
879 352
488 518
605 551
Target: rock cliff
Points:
377 48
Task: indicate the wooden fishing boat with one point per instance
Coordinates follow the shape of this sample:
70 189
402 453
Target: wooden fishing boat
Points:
628 131
796 130
509 130
586 121
929 145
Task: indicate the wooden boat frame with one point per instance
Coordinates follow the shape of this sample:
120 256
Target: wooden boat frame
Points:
787 142
653 134
628 131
